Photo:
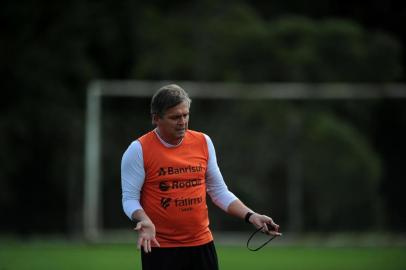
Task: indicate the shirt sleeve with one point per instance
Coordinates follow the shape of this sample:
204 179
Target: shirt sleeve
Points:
132 178
216 187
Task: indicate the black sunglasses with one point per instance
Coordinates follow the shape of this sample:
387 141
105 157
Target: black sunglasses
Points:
261 246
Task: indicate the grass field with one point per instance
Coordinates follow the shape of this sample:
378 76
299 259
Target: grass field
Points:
36 255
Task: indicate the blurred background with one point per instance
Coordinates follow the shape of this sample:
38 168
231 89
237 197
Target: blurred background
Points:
350 153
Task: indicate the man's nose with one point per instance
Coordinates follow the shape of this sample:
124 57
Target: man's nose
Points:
183 120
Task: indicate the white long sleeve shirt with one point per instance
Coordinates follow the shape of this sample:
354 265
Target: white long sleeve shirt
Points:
133 177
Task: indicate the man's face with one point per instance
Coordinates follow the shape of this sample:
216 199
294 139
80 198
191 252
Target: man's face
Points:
174 123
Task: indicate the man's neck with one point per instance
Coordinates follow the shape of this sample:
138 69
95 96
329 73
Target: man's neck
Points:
166 142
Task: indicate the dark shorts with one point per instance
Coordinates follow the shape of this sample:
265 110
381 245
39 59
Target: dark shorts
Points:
202 257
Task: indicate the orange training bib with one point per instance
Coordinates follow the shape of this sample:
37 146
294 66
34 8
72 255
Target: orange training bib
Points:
174 190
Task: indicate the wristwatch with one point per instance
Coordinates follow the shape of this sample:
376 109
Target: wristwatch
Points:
247 217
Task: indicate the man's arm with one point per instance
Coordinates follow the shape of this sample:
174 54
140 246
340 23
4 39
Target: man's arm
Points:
215 185
226 200
146 230
132 180
239 209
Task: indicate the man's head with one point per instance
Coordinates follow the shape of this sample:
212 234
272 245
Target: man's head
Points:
167 97
170 112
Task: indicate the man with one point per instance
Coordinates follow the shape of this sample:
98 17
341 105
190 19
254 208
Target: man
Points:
165 175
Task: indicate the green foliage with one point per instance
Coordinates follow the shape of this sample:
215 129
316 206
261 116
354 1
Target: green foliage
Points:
238 45
340 170
50 52
341 173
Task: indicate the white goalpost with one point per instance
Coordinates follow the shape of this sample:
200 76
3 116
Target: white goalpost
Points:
97 90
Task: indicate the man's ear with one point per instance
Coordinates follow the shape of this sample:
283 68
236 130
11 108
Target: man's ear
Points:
155 119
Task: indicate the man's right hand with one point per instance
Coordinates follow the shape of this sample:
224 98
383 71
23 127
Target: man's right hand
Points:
146 234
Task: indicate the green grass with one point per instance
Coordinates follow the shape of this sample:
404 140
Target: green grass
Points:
33 256
314 258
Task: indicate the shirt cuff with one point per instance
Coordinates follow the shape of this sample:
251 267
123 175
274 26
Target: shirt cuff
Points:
130 206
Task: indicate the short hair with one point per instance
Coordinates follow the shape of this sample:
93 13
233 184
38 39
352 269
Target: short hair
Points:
167 97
